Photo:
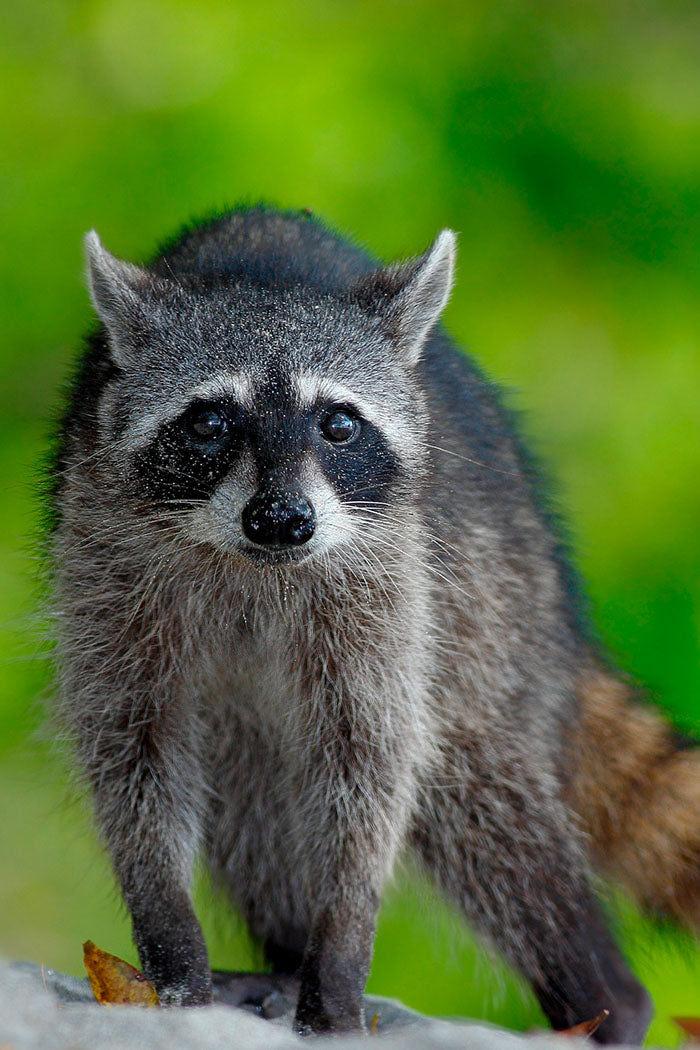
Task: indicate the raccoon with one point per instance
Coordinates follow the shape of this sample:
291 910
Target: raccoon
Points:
311 610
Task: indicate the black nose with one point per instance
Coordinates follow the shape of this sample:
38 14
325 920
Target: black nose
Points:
281 519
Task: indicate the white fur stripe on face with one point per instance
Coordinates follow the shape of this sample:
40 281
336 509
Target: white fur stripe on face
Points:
218 520
234 385
335 523
312 389
226 384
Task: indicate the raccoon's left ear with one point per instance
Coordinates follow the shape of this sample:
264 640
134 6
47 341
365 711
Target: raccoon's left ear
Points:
409 297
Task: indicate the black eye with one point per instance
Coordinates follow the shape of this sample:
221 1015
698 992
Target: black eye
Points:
206 424
340 427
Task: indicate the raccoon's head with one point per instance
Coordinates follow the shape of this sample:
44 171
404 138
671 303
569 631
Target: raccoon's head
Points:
273 423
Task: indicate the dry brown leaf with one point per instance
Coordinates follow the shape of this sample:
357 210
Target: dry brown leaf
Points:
585 1028
115 981
691 1027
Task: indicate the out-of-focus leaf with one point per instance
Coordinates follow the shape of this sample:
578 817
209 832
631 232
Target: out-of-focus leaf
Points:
115 981
585 1028
691 1027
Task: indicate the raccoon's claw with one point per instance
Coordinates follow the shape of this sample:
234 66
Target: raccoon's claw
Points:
180 997
313 1019
326 1026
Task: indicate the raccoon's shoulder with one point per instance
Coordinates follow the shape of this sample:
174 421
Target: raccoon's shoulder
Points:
266 246
484 474
473 431
475 435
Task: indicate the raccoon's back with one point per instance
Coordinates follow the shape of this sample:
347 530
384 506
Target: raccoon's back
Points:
275 249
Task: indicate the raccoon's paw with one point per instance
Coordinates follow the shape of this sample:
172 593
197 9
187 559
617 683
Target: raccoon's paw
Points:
312 1019
195 991
326 1026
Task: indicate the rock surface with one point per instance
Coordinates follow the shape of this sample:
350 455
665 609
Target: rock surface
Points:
41 1009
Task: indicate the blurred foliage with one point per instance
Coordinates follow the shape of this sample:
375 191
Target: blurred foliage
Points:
561 140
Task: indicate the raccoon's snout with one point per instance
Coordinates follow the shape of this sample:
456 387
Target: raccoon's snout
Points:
278 520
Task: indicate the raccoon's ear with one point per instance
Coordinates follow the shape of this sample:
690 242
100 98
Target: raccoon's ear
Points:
119 292
409 297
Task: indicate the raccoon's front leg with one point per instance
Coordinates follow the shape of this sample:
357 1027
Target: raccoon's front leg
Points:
363 809
169 940
143 768
338 954
500 843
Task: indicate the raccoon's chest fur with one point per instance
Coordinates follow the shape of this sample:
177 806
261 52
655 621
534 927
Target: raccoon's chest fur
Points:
252 674
268 781
258 675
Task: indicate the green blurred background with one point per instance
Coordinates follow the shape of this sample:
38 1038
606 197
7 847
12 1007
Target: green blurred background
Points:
562 141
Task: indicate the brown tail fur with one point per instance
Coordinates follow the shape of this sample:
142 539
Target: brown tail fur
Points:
637 790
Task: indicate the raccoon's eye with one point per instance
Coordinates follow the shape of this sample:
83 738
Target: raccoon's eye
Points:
206 425
340 427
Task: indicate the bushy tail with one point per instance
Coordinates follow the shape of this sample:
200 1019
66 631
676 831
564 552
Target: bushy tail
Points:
637 790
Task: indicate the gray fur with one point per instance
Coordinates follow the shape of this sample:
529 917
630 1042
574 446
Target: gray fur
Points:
409 679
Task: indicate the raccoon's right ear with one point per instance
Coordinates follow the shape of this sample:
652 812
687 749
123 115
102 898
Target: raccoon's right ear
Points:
120 294
408 298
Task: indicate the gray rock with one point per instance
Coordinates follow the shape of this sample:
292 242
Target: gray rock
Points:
41 1009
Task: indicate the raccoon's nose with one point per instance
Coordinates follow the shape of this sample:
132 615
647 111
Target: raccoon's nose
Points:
278 520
